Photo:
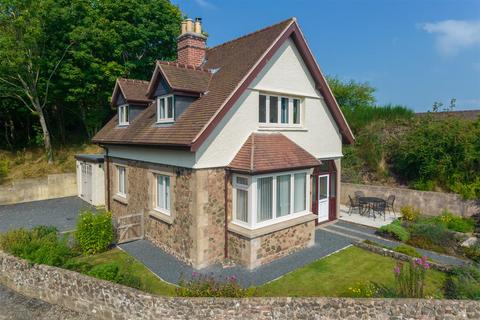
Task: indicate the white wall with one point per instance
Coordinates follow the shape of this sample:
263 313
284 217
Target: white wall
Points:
285 73
154 155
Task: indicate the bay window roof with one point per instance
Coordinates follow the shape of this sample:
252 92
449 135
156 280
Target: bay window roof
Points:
270 152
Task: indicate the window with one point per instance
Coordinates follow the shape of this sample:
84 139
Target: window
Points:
281 111
264 200
123 115
163 194
241 198
165 109
122 182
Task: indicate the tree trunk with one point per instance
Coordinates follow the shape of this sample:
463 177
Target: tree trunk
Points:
46 136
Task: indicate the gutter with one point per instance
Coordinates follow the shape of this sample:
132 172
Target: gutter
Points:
107 164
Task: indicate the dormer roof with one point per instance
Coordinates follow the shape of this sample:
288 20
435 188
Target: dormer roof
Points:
132 90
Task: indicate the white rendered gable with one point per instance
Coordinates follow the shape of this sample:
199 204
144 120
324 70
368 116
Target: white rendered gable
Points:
284 74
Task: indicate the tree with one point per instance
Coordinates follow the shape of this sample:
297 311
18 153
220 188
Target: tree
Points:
28 60
352 94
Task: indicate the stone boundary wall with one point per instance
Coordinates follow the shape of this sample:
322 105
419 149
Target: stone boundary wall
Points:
429 202
107 300
399 256
49 187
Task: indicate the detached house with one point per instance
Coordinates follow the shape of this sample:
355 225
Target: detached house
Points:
229 152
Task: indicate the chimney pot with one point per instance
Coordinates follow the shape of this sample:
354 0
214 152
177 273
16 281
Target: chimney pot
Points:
191 44
189 23
184 27
198 25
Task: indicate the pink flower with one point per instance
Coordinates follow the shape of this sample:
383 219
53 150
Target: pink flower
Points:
397 269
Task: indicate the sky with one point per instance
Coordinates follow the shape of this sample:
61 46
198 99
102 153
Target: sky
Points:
414 52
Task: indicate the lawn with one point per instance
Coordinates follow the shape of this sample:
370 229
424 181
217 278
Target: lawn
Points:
331 276
149 282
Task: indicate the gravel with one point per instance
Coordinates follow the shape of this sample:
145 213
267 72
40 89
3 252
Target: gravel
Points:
60 212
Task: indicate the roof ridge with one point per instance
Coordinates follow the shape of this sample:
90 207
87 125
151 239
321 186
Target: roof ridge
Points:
182 65
133 80
251 33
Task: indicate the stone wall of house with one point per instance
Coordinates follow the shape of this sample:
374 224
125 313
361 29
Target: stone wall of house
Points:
106 300
429 203
255 252
177 237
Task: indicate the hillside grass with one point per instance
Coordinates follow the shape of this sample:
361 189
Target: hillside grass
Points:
32 163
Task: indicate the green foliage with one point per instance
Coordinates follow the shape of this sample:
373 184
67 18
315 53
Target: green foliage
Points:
208 286
395 231
111 271
410 278
432 237
363 290
463 283
409 214
408 250
472 252
440 153
39 245
94 231
4 166
456 223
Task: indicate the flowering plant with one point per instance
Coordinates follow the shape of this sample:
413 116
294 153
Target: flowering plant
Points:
201 285
410 278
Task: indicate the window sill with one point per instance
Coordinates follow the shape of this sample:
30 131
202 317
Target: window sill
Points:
158 215
120 198
252 234
123 125
283 129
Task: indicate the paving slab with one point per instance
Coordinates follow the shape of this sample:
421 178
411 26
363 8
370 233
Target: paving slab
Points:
61 213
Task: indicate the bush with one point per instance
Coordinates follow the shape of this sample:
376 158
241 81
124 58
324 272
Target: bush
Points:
463 283
409 214
456 223
112 271
472 252
408 250
39 245
395 231
435 233
4 168
94 231
208 286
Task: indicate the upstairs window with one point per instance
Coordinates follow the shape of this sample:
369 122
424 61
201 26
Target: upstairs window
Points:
165 109
123 115
279 111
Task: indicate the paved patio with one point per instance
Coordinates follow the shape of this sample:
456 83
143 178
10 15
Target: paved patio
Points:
364 220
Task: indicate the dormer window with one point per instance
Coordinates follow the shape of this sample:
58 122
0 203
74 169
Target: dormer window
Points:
165 109
123 115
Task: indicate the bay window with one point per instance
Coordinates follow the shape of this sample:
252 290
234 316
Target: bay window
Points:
123 115
267 199
165 109
279 111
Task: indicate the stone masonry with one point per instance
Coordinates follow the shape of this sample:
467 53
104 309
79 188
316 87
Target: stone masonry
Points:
108 300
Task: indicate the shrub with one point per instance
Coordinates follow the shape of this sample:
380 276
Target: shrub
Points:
409 214
39 245
472 252
395 231
363 290
4 168
111 271
408 250
433 235
94 231
463 283
456 223
410 278
208 286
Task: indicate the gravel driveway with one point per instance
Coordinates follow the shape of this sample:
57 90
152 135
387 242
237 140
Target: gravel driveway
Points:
61 213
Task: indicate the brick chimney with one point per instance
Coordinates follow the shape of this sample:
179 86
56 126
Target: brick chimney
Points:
191 43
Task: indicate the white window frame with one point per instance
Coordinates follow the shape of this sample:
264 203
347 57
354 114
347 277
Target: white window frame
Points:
252 199
169 199
123 115
122 193
278 124
166 119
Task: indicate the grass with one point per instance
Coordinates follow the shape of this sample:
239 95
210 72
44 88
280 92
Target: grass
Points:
330 277
32 163
149 281
334 275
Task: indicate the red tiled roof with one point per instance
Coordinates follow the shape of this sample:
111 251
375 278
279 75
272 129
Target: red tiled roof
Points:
181 77
232 66
263 152
132 90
